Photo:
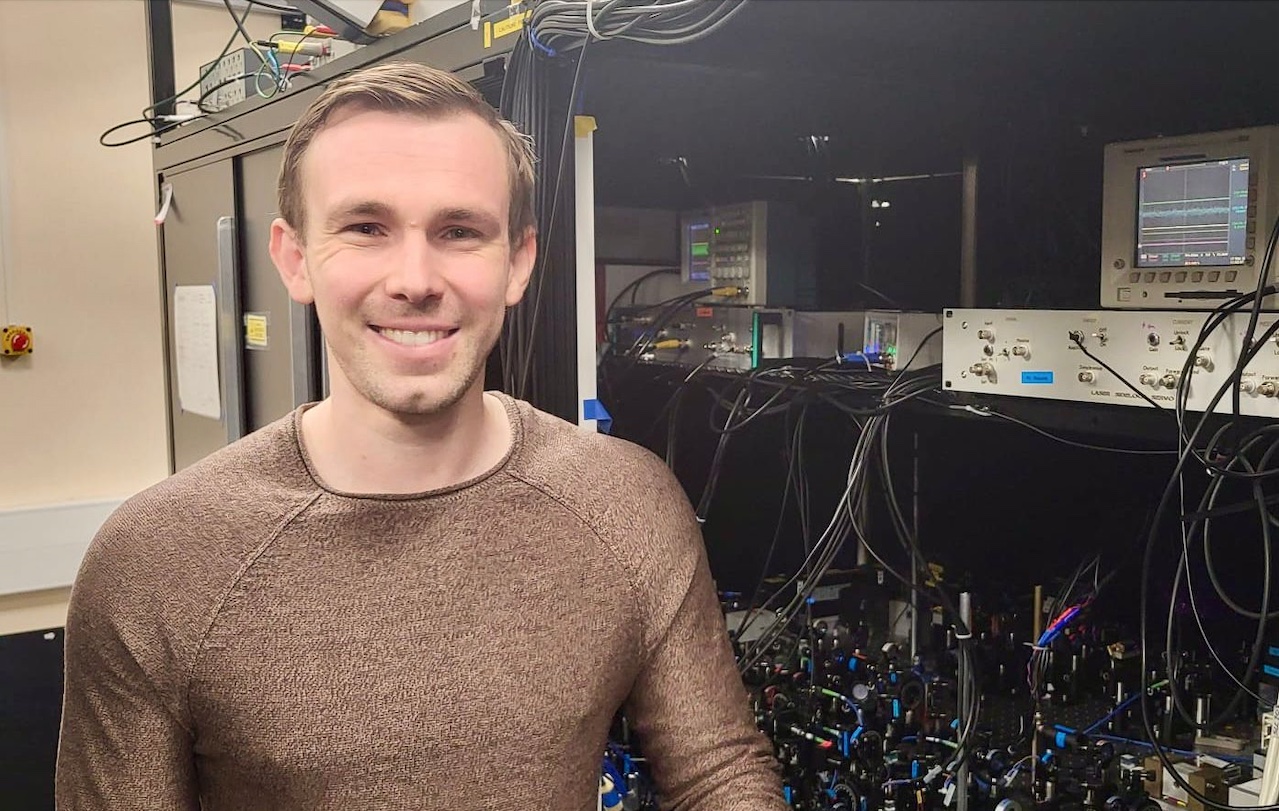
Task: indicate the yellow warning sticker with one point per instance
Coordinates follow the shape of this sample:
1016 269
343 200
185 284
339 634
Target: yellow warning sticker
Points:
255 330
510 25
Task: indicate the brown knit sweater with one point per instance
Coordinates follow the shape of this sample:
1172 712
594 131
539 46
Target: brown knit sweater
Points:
241 636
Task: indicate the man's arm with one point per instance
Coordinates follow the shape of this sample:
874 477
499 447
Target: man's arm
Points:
688 704
123 744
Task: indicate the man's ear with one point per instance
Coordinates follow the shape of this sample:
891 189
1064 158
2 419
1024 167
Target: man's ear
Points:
290 260
522 260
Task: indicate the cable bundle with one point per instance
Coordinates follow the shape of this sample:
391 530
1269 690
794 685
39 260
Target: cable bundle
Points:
560 25
556 27
1226 458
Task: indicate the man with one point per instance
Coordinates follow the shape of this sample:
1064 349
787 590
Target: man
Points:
413 594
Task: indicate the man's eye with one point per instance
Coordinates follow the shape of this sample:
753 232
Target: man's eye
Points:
370 229
460 232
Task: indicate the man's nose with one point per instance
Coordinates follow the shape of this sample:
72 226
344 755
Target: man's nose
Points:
415 272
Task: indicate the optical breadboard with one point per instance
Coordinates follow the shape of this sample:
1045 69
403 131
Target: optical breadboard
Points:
1031 353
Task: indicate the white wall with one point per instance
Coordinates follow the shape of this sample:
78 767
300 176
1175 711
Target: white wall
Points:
84 416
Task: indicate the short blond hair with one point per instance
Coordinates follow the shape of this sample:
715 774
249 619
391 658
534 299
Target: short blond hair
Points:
416 89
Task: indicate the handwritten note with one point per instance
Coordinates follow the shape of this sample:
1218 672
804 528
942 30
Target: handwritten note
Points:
195 326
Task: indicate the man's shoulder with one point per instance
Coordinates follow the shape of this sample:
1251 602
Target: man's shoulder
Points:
577 461
621 491
216 507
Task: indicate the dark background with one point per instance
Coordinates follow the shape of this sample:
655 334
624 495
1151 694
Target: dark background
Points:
1033 91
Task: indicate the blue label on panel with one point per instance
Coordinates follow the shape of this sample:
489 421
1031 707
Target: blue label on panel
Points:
1037 378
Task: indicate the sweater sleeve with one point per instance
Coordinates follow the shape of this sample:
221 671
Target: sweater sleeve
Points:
688 704
124 742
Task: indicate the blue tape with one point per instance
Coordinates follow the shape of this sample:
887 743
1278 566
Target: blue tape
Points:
1061 740
595 410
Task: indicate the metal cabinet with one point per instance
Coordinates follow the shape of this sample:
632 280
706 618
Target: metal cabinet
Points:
284 373
199 246
267 347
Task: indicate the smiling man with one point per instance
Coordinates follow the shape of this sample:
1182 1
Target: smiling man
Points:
414 594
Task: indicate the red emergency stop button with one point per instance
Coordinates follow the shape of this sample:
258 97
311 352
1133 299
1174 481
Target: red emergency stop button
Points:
15 340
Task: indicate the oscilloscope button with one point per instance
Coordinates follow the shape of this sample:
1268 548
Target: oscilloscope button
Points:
1133 278
1180 277
1214 275
1231 275
1165 276
1197 276
1150 277
1251 242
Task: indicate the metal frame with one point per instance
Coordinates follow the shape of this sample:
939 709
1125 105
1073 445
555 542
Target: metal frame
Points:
445 41
160 52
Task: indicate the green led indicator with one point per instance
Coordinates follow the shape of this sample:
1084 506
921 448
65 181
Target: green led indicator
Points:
701 249
717 230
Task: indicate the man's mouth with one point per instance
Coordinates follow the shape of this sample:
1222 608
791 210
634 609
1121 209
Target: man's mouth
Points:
412 338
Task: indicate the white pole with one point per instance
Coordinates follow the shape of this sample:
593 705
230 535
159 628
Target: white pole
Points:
584 198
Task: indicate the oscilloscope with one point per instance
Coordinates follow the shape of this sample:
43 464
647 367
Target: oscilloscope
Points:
1185 219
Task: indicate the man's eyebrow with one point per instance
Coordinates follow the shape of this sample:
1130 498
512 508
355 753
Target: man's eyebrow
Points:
471 216
359 208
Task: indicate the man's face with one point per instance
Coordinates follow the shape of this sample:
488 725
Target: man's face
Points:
406 255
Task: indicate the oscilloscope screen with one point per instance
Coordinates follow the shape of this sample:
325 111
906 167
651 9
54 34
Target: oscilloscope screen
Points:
1192 214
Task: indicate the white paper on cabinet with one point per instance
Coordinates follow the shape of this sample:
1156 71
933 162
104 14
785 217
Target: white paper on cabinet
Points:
195 325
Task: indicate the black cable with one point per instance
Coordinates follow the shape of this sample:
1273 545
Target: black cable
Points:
550 225
1144 627
795 434
152 133
1079 342
982 410
1208 500
918 349
293 55
1218 316
632 288
239 21
1256 311
151 108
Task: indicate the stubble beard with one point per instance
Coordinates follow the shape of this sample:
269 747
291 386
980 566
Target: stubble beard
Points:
420 395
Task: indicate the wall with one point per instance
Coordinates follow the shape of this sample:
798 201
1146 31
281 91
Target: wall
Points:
85 414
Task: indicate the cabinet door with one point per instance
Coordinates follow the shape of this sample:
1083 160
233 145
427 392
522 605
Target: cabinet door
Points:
281 358
200 256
